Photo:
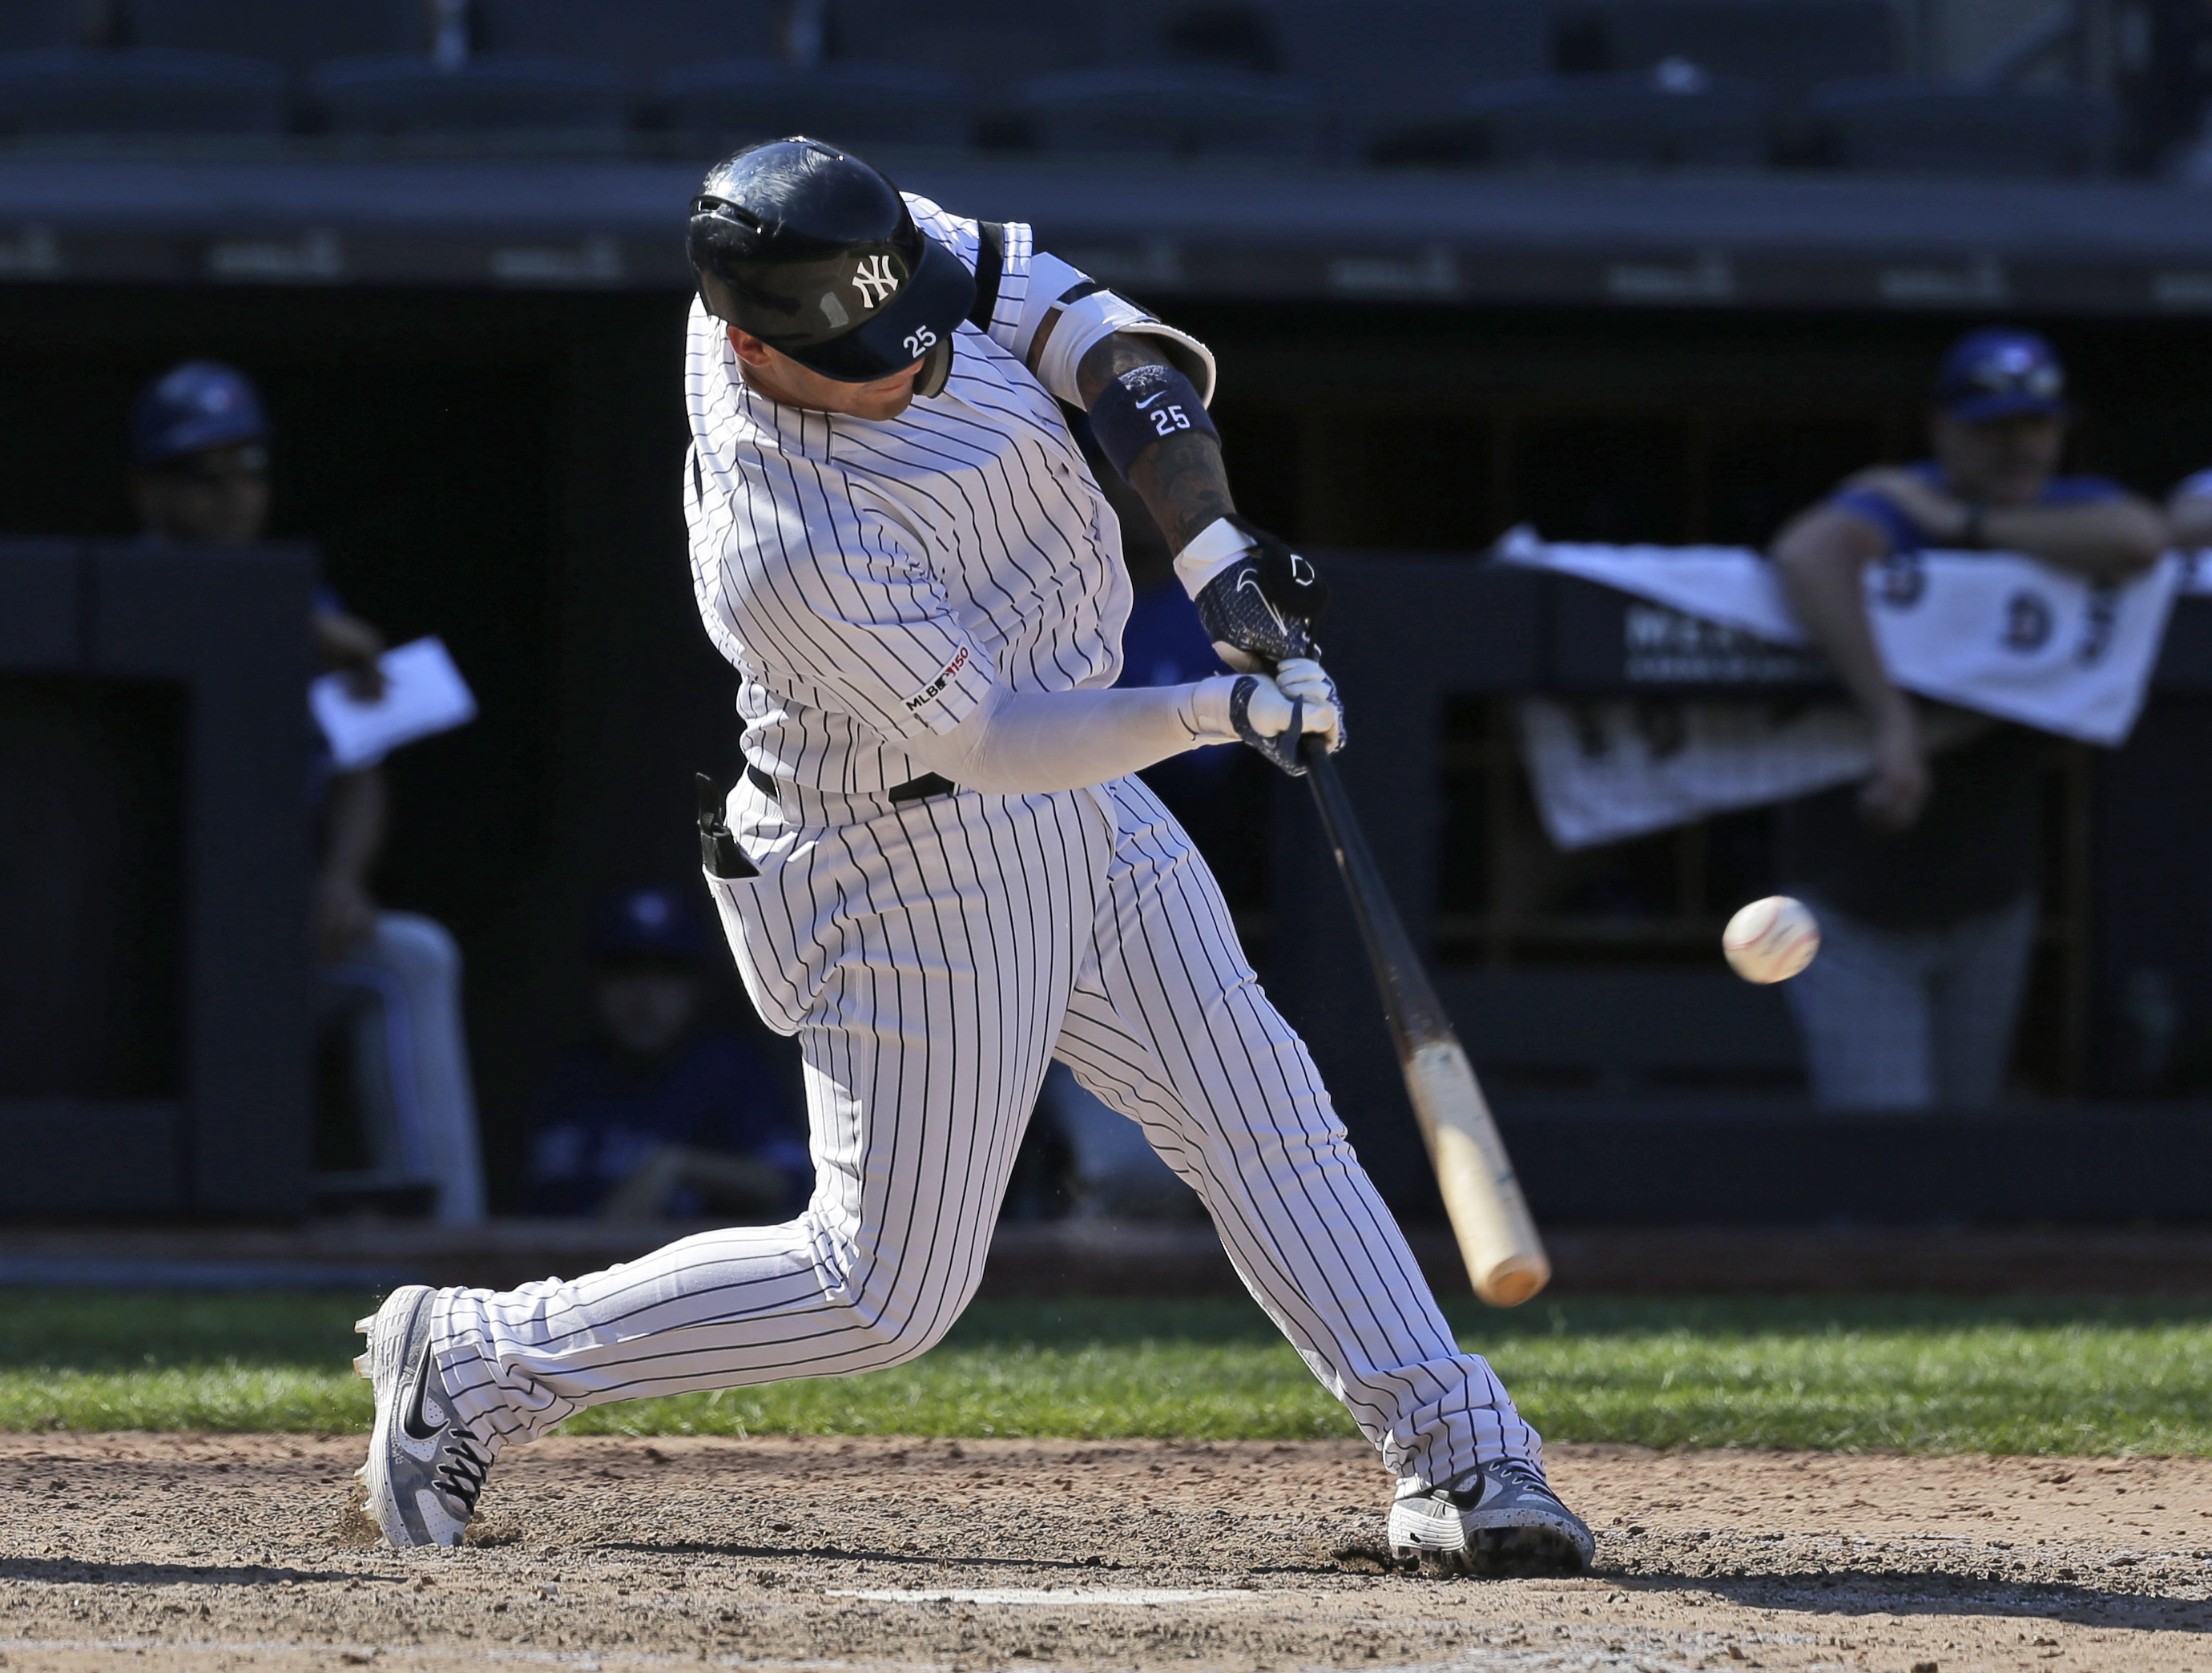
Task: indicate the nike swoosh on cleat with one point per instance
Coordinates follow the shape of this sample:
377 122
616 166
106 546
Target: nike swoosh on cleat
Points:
410 1417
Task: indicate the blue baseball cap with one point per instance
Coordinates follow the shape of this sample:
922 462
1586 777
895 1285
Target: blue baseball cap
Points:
653 922
191 408
1997 372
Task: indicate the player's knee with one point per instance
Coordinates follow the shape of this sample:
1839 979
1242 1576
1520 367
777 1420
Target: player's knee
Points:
892 1332
890 1317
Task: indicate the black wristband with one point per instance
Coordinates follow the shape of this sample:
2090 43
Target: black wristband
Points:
1145 405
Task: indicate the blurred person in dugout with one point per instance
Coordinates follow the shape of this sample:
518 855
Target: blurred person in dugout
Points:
1923 875
662 1114
2189 513
200 445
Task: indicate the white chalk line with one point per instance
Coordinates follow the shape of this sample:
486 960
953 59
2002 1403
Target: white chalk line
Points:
1058 1596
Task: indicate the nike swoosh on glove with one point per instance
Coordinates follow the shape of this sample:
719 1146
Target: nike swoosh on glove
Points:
1274 724
1257 600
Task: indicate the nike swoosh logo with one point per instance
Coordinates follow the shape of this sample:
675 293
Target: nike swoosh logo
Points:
1148 400
1249 582
411 1419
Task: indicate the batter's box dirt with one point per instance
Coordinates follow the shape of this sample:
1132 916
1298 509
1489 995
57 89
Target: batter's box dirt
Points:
206 1552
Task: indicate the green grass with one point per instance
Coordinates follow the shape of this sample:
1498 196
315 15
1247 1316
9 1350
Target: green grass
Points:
1926 1376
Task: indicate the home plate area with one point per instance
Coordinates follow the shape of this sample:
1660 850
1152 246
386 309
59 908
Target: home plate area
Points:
213 1551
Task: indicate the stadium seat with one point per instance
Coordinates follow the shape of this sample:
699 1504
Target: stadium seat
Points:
720 106
27 25
1903 124
1172 111
1672 116
290 33
639 38
987 40
408 94
1378 63
1240 33
1788 45
138 90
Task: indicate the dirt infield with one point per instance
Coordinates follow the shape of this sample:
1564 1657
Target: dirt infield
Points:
196 1551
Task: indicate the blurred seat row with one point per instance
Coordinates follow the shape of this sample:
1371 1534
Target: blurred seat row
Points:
1427 82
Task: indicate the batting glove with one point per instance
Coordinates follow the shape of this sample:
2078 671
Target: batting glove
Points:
1256 598
1306 681
1274 718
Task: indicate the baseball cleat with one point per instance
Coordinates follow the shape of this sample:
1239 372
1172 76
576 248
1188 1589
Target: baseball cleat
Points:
1501 1521
425 1466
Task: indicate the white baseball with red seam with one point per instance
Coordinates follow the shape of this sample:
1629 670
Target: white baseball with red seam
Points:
1772 939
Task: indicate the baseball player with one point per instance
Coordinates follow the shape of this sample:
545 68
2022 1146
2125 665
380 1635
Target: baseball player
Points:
939 873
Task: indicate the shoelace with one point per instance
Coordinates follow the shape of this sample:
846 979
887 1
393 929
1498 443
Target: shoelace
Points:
1514 1470
462 1467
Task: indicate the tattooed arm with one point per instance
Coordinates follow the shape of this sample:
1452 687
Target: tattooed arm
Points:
1181 480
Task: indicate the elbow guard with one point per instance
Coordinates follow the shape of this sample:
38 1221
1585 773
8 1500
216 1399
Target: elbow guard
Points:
1083 313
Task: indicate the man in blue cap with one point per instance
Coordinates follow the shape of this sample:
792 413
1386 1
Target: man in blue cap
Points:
1923 876
199 444
657 1117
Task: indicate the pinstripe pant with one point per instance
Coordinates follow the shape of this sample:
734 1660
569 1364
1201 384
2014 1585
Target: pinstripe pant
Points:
931 957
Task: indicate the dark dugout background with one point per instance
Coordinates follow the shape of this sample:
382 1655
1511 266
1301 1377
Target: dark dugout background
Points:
502 471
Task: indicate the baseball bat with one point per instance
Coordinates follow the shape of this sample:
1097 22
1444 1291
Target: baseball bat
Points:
1490 1219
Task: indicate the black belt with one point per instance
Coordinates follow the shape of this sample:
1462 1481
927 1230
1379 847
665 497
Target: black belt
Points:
915 789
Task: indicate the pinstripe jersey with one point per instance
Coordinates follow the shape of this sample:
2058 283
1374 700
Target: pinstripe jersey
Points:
872 581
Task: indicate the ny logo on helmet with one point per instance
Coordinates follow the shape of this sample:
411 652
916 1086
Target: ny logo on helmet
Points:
875 281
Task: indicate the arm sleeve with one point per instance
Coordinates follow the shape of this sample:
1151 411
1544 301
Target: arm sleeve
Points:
1033 742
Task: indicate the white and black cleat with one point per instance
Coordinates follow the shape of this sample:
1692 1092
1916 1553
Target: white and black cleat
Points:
425 1467
1504 1521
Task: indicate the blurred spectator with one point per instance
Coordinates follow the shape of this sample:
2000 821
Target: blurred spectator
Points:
2189 513
656 1117
200 446
1924 876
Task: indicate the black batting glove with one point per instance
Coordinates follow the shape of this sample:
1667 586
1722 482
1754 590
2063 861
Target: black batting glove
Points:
1257 600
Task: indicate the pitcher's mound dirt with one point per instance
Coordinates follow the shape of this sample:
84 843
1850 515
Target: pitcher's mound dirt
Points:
154 1551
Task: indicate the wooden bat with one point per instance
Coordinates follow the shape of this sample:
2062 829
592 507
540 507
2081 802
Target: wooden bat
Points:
1498 1239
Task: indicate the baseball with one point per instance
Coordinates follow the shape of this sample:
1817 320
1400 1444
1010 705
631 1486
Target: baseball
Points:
1772 939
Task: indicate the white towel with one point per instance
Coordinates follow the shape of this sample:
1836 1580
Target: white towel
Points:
1992 631
1604 771
1995 633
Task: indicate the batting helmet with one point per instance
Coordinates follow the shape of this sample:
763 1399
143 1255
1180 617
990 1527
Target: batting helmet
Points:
815 253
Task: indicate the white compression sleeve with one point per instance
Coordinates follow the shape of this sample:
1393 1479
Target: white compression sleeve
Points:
1032 742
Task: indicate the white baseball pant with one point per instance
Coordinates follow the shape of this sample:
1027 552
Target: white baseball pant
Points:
932 956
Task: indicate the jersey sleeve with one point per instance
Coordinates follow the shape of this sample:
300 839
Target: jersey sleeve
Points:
1903 534
1033 287
964 238
831 604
